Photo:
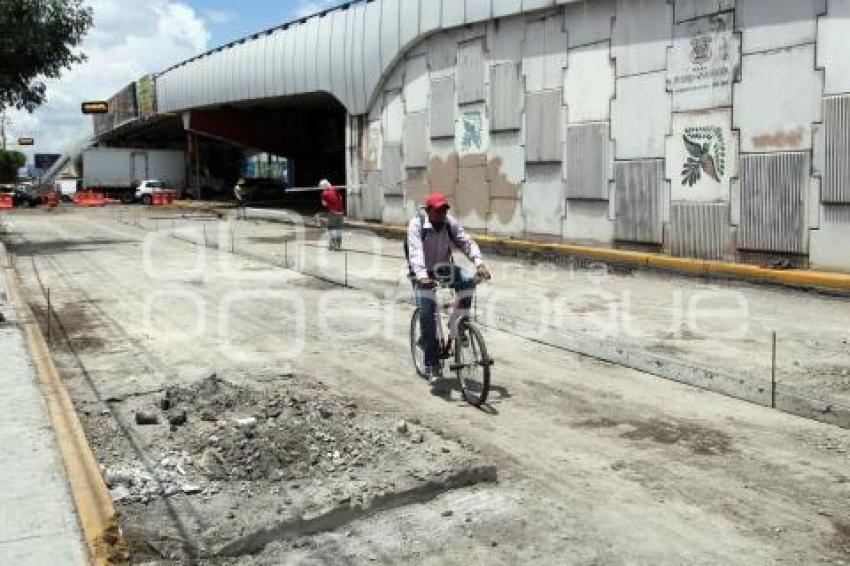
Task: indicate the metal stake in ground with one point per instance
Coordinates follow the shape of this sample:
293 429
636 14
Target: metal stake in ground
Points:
49 308
346 269
773 371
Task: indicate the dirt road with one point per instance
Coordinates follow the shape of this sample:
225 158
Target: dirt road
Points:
596 464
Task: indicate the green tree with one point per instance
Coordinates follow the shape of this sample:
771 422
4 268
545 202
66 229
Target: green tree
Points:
10 162
38 40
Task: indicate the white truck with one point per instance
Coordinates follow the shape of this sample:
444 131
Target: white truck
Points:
118 172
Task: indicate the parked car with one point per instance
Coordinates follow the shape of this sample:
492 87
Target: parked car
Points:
146 189
26 196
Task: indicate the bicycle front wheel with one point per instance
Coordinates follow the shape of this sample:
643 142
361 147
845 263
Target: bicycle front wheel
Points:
472 365
417 349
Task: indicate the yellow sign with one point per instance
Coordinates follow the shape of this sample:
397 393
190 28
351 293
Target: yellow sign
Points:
95 107
26 141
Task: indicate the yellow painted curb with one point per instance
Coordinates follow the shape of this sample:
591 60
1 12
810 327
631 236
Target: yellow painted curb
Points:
95 511
804 278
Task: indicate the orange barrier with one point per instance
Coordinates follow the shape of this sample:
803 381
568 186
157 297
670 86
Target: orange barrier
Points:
7 201
89 199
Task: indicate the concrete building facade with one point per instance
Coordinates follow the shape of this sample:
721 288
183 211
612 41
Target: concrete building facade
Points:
715 129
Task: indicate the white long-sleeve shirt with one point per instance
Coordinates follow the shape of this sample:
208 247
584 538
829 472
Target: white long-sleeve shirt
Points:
428 247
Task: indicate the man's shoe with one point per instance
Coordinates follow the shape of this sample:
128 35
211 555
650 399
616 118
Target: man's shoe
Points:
435 375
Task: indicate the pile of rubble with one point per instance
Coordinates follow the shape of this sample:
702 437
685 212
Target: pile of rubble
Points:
217 433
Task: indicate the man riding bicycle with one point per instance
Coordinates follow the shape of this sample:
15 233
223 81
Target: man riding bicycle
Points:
430 236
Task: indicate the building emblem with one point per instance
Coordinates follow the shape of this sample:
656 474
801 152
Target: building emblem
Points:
706 150
701 50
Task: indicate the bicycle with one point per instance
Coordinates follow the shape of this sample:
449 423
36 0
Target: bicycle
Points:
472 363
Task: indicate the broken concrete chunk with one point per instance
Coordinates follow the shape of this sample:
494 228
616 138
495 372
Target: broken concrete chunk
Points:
177 418
119 493
402 427
191 488
146 418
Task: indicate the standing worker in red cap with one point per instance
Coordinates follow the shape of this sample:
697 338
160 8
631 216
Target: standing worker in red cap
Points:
333 203
430 236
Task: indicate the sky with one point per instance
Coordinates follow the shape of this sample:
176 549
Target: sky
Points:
130 39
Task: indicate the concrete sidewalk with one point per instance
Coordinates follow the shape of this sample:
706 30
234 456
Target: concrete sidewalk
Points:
38 521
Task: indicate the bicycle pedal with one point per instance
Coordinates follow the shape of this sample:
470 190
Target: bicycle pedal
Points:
458 367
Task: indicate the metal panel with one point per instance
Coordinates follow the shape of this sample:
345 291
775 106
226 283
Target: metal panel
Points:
442 107
277 62
299 67
323 54
588 161
265 66
442 53
389 32
372 54
339 65
357 15
315 34
532 55
409 29
699 230
453 13
416 84
349 94
477 11
529 5
416 139
253 79
773 188
554 52
236 72
506 7
589 22
289 61
505 40
470 72
638 186
543 126
429 15
393 171
836 177
505 97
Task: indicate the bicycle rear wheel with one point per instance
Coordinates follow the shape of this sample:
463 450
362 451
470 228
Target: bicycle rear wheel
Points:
417 352
472 365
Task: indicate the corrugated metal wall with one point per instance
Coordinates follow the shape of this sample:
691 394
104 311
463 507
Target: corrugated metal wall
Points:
470 72
700 230
543 125
505 98
773 189
639 187
345 51
836 175
588 161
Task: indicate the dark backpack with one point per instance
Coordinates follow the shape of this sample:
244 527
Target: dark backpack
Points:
422 217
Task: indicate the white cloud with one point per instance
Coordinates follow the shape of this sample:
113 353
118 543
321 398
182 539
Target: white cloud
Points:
310 7
128 40
219 17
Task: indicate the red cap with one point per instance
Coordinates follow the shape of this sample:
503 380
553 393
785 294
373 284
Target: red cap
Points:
437 201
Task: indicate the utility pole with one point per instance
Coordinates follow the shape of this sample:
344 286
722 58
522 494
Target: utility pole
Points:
3 121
